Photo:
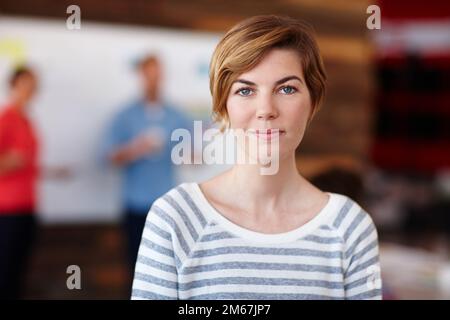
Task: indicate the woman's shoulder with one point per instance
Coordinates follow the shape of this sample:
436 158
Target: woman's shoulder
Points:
181 205
183 191
7 113
347 215
175 217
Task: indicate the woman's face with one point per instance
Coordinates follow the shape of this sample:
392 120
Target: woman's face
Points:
273 95
26 87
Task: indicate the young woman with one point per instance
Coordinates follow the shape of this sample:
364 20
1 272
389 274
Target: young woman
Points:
18 177
246 235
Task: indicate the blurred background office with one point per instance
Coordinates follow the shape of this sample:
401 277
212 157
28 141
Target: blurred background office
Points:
382 136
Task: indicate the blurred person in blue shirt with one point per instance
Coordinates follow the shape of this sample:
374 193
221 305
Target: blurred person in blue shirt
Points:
138 142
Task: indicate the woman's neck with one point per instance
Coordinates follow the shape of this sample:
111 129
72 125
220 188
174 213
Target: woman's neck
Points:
18 105
259 190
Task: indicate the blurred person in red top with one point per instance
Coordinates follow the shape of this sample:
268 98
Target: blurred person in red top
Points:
18 176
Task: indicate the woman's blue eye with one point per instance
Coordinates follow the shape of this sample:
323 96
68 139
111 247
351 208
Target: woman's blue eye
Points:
244 91
288 90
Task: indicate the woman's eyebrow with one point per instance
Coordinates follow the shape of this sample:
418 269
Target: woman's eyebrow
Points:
282 80
245 82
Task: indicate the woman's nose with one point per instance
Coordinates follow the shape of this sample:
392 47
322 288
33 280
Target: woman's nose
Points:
266 110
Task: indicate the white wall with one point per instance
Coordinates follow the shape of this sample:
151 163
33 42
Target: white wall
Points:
85 76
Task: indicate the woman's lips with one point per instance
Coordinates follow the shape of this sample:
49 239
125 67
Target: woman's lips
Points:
267 134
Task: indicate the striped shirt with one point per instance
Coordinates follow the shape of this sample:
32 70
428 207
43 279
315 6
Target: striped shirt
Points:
191 251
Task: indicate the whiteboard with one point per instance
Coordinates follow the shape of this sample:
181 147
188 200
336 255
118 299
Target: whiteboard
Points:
85 77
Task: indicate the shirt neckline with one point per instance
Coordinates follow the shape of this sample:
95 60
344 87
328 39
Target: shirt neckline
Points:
247 234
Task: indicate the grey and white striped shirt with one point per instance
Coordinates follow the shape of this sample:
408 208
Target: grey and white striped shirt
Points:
191 251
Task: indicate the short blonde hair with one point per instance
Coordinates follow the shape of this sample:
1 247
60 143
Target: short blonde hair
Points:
246 44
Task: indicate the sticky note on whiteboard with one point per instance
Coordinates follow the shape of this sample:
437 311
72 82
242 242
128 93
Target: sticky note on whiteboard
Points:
13 50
